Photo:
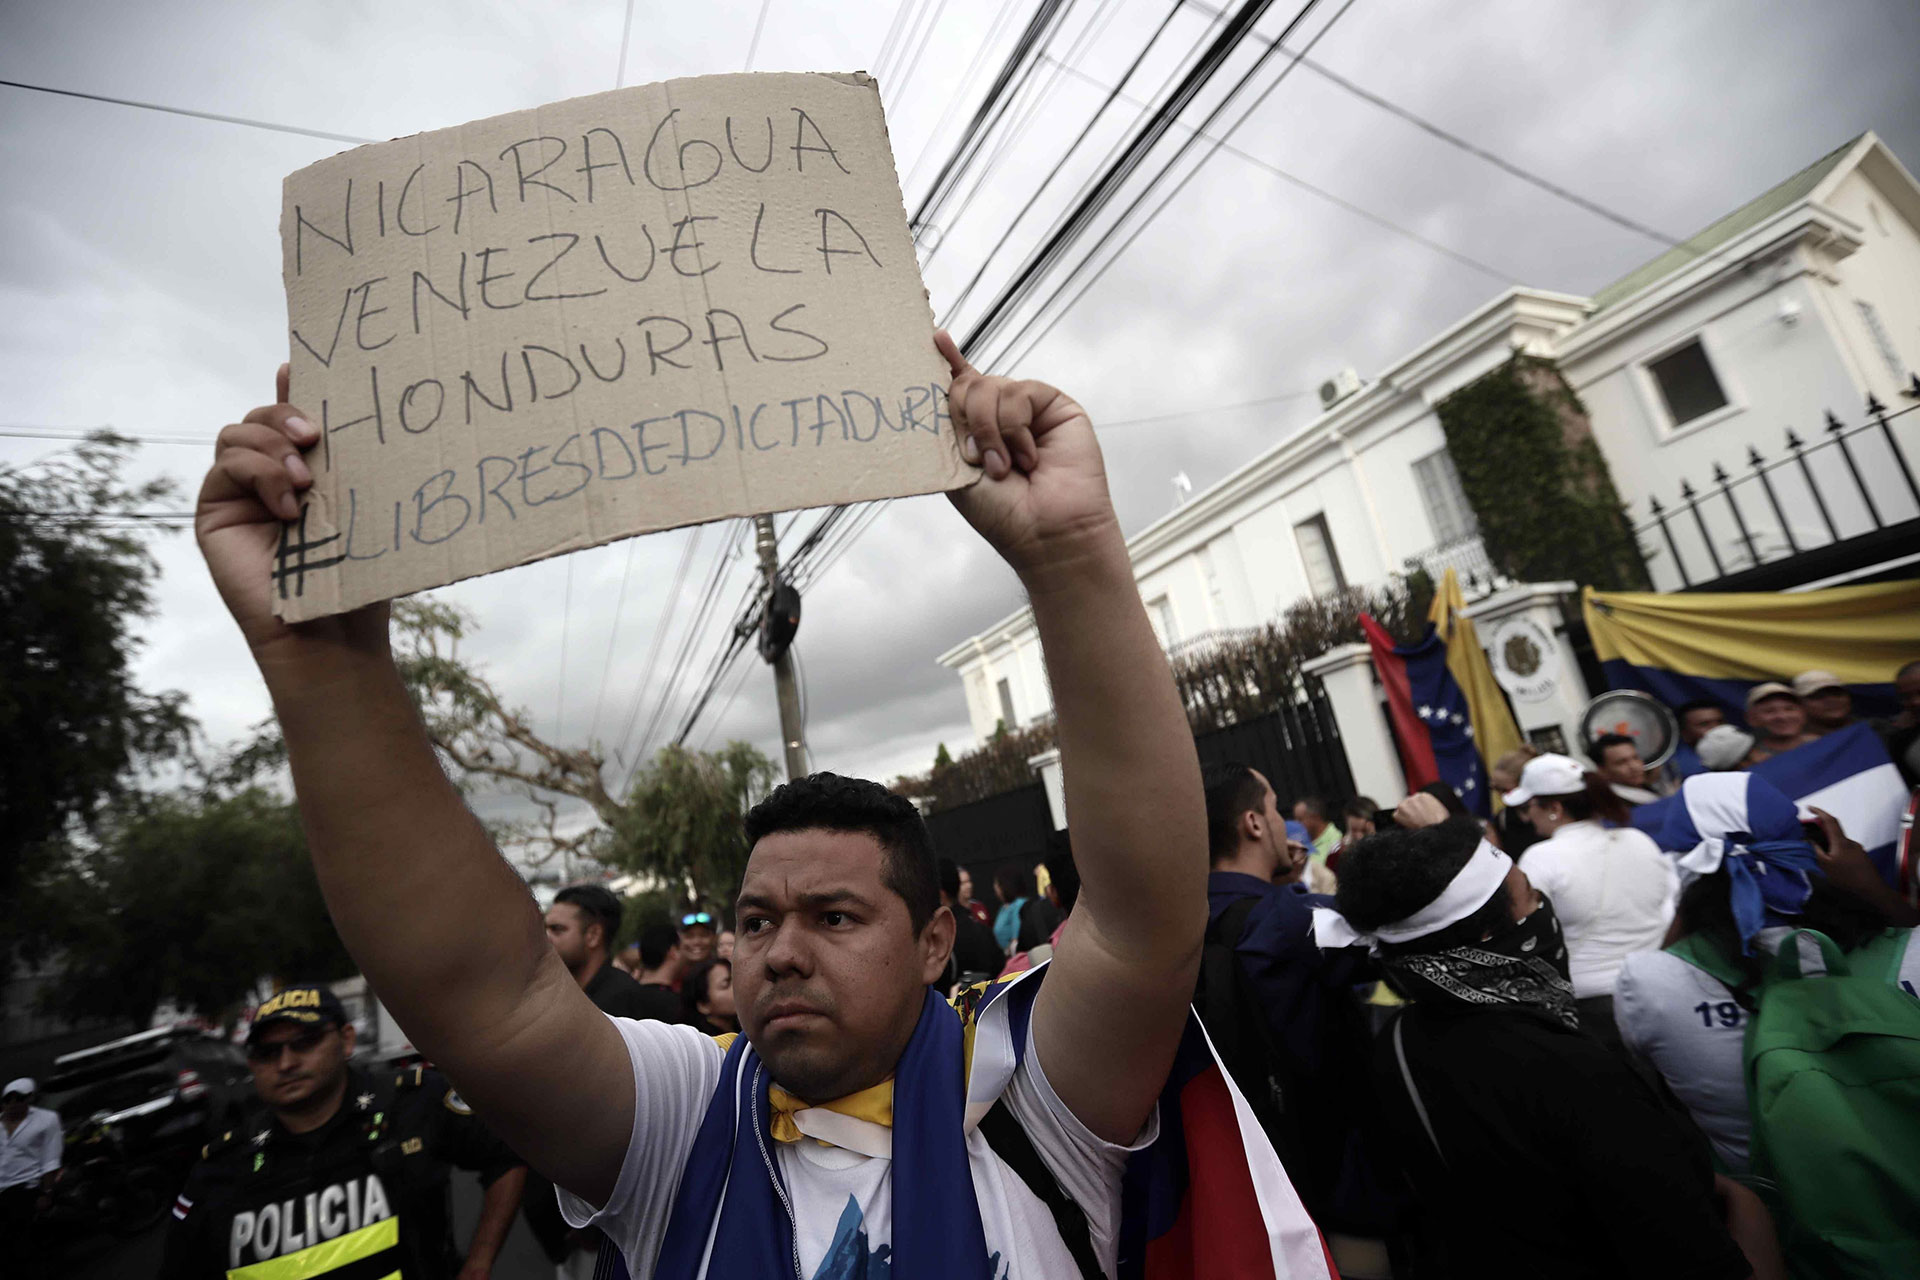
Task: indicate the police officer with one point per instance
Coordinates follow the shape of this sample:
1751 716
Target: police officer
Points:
343 1173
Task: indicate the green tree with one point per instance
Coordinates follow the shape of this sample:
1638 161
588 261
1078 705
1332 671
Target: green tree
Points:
682 822
190 897
76 579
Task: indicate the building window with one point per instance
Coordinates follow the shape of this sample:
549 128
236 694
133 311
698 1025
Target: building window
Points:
1006 705
1447 509
1687 383
1160 609
1882 339
1316 550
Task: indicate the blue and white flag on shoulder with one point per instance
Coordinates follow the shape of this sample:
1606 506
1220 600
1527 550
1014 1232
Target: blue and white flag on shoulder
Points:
1848 773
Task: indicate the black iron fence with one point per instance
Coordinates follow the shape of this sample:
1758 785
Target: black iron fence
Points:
1832 505
1296 746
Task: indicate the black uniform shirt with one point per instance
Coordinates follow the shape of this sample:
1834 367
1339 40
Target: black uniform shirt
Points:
614 991
363 1197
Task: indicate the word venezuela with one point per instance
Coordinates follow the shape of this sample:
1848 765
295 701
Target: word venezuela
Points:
611 315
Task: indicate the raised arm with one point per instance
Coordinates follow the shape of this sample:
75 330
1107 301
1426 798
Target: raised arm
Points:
1110 1014
439 923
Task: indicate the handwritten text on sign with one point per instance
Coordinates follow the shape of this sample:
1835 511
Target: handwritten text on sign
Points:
615 314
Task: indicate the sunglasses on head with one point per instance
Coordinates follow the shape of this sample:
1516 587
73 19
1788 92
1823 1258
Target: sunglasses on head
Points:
304 1043
694 918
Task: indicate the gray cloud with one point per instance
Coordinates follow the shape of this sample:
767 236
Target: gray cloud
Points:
139 262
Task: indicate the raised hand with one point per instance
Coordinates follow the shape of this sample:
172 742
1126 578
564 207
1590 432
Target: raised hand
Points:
252 488
1044 496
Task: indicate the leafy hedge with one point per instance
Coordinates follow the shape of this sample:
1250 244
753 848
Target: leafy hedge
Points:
1520 439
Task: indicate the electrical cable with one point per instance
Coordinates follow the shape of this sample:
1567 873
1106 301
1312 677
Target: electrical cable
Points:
905 76
1025 115
566 625
1178 187
626 32
659 635
1087 129
1378 219
955 98
753 46
702 614
185 111
78 436
991 107
1069 230
886 45
613 636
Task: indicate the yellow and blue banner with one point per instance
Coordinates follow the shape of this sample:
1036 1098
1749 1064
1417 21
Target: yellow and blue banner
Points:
1683 646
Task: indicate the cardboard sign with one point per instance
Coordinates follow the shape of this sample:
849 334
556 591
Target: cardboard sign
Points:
620 313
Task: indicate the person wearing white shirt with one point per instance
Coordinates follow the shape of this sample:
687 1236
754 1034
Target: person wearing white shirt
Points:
1612 888
30 1152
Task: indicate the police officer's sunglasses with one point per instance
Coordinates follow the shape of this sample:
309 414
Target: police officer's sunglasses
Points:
304 1043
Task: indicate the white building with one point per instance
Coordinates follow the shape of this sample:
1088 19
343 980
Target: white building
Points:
1805 301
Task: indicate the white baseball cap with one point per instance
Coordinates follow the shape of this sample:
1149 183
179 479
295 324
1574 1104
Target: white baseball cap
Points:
23 1085
1548 775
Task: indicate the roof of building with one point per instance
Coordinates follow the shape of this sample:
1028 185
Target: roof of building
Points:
1749 215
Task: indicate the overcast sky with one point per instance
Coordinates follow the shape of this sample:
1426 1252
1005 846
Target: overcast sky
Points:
140 262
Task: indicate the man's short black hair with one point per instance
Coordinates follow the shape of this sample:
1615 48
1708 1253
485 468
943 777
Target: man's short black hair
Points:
656 940
1232 789
1360 807
829 802
1697 704
1607 742
949 872
1064 876
1392 874
1315 805
1012 881
598 905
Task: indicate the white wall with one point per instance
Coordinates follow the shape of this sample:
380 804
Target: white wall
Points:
1885 272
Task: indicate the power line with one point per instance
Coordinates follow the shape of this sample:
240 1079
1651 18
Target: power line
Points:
1085 131
957 96
659 636
185 111
1497 161
566 625
913 64
1078 220
1185 179
753 46
1016 132
82 436
1324 194
886 45
626 31
613 635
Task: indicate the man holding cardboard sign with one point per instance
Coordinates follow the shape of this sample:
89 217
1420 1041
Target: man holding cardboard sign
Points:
859 1123
839 934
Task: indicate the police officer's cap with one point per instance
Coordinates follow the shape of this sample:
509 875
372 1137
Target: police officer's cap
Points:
309 1005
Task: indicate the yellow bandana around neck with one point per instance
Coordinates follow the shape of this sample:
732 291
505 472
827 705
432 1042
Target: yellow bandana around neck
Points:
874 1105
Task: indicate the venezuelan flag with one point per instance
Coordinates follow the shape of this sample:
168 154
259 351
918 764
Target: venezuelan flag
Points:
1681 646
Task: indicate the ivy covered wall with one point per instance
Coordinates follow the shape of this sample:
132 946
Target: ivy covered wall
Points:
1521 441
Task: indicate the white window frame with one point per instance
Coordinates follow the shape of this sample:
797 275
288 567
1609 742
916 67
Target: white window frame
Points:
1340 581
1667 431
1003 692
1165 622
1472 526
1882 340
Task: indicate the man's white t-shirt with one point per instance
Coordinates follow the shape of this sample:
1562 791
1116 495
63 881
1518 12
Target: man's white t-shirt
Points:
843 1200
1690 1028
1614 892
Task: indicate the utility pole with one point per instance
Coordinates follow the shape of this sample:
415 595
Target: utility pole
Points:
793 740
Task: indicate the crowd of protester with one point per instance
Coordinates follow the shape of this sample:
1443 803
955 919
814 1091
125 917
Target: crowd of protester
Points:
1570 1009
1549 1043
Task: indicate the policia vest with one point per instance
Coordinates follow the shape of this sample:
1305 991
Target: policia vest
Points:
364 1197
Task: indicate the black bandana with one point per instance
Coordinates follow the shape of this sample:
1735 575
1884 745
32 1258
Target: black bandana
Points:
1525 964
